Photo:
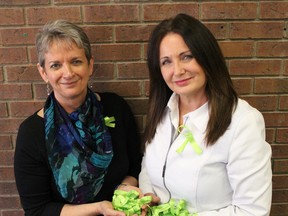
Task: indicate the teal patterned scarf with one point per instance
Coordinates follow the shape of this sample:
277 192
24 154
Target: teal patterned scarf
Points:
79 148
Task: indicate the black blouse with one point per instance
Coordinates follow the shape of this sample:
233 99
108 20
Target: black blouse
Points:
34 179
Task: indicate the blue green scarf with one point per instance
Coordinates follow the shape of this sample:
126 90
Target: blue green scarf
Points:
79 148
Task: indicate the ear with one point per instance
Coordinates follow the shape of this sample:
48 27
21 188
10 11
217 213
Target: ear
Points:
42 73
91 65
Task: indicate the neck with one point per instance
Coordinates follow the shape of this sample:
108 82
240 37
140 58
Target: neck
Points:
187 105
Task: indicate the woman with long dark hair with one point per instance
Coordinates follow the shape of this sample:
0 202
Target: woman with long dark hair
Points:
203 143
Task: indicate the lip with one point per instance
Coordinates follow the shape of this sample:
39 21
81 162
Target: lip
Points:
183 82
69 83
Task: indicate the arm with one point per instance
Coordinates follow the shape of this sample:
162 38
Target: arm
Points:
249 170
100 208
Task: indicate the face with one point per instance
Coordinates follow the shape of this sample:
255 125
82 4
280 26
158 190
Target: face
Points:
67 71
179 69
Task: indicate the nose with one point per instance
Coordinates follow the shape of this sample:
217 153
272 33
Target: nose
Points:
178 68
67 71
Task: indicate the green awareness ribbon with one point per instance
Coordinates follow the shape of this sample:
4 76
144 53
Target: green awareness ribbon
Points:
129 202
109 121
170 209
189 139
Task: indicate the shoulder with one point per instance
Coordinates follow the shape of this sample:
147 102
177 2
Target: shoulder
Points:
246 113
112 101
33 122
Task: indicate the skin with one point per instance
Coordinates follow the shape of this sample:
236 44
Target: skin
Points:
67 70
182 73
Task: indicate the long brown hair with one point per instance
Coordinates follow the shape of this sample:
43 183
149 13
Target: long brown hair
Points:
222 97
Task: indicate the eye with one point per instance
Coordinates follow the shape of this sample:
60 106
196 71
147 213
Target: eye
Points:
164 62
187 57
77 62
55 66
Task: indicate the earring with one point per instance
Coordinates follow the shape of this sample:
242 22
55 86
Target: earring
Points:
90 84
48 88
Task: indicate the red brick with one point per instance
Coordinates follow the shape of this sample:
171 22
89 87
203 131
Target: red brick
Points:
243 86
40 92
286 67
253 67
270 135
257 30
146 88
78 1
9 125
13 212
1 73
279 151
11 17
158 12
23 73
132 71
283 102
279 209
5 142
282 135
103 71
117 52
274 9
272 49
9 202
276 119
6 159
280 166
262 103
24 109
125 89
41 15
12 55
226 10
33 55
98 34
280 181
111 13
21 2
18 36
219 30
125 33
3 110
280 196
237 48
15 91
6 174
276 85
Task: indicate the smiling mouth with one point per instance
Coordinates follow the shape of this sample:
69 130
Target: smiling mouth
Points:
70 83
183 81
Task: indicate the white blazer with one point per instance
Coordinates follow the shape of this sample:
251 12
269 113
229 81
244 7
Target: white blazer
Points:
232 177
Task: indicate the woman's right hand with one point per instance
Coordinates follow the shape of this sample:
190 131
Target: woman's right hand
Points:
155 201
106 209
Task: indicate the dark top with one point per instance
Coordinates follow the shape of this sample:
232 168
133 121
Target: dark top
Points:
34 179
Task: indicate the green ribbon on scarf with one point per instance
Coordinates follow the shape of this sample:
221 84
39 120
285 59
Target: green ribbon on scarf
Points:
109 121
189 139
129 202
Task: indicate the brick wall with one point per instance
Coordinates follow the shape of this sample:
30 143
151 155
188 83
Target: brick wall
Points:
252 35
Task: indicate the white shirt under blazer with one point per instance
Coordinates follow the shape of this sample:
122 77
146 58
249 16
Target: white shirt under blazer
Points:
232 177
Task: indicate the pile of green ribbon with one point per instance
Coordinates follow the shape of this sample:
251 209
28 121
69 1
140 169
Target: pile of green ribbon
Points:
130 203
170 209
